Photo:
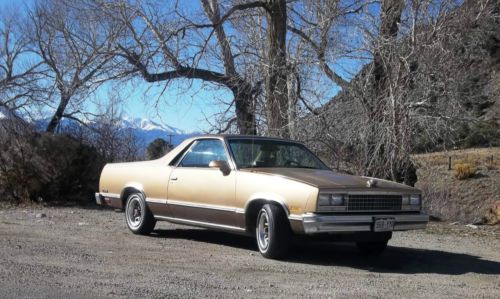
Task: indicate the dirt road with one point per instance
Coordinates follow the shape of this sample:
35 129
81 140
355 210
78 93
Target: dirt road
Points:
89 253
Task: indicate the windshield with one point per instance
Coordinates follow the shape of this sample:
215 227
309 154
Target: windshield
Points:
271 153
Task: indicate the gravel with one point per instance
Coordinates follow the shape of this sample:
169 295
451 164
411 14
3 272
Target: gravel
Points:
89 253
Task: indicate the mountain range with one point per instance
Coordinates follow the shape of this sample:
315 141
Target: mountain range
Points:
147 130
143 129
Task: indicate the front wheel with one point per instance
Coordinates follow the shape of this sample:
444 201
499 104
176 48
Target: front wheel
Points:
272 232
139 218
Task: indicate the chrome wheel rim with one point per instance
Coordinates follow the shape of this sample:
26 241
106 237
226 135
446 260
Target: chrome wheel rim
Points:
263 231
134 212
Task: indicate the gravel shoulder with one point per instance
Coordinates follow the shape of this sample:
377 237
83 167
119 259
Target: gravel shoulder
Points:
89 253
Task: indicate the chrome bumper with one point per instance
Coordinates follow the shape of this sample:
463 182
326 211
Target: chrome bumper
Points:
99 199
315 224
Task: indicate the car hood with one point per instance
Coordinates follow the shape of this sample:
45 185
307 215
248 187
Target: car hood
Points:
327 179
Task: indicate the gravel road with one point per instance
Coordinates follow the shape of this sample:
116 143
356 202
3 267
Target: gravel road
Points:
89 253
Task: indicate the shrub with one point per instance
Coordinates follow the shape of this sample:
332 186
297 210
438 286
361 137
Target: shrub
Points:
483 134
157 149
464 171
49 167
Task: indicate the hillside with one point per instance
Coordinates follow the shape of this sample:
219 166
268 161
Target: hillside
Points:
450 199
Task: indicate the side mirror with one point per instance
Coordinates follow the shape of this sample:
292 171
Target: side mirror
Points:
222 165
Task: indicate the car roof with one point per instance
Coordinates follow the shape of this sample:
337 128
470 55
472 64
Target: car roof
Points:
237 136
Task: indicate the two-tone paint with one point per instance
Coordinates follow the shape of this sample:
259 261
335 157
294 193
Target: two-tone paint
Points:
208 198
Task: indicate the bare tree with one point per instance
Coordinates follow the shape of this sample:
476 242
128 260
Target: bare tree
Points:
77 48
20 73
187 52
411 90
151 35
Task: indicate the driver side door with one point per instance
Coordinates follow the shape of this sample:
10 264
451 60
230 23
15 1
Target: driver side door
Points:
199 193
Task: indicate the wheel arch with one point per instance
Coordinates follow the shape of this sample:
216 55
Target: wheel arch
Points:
254 205
129 189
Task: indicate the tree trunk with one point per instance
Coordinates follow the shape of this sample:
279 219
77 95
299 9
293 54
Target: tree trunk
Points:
245 117
242 90
276 81
56 118
379 156
390 17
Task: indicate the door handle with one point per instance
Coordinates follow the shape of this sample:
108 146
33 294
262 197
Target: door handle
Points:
173 179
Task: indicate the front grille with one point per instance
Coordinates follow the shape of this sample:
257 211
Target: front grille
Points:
374 202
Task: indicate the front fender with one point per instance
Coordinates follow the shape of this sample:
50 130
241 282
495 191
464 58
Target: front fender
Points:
273 197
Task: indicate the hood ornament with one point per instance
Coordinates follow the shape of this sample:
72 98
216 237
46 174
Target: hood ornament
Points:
371 183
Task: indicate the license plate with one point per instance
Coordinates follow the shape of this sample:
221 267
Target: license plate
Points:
384 225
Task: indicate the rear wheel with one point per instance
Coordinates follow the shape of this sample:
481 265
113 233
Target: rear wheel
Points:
139 218
372 248
272 232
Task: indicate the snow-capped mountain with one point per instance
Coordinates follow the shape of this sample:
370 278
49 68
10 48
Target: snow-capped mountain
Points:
144 130
145 124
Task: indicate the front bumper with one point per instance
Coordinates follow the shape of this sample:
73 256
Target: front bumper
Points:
316 224
99 199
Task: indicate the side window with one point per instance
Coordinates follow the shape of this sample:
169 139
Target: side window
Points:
202 152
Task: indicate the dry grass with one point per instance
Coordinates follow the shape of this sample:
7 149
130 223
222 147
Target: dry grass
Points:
464 171
487 158
447 194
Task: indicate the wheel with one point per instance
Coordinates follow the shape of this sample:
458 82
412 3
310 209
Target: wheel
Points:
272 232
139 218
372 248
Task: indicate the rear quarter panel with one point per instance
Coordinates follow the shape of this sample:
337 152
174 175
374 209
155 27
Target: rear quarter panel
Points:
150 177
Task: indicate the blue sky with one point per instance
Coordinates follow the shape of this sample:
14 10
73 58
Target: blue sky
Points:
178 106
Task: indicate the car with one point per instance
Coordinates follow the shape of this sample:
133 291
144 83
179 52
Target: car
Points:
269 188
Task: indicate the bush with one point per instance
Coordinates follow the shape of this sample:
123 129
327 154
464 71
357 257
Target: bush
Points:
157 149
482 134
47 167
464 171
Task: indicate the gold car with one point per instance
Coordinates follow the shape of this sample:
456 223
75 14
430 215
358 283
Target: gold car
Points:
269 188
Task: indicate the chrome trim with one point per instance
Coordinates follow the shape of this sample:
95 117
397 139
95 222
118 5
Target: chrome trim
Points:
197 205
295 217
314 223
363 192
404 208
201 224
266 197
112 195
156 200
98 198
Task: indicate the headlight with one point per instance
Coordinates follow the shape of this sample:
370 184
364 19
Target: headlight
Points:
415 200
405 200
324 199
411 202
337 200
329 202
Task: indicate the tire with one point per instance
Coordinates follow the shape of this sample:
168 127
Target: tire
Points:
272 232
372 248
139 218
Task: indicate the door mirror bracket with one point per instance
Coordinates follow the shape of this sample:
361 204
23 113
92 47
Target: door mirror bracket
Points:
222 165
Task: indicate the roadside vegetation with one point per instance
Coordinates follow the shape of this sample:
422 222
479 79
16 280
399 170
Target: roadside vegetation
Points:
461 185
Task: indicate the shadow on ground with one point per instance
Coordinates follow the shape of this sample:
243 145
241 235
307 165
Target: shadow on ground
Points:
403 260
